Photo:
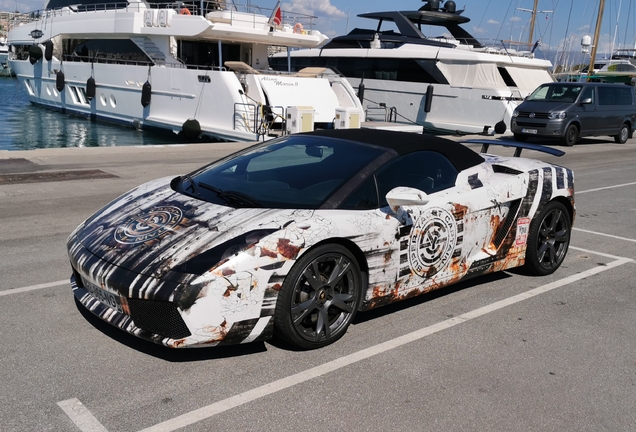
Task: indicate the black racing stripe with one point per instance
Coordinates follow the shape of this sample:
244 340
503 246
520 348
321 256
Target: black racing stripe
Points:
560 177
239 331
474 182
533 185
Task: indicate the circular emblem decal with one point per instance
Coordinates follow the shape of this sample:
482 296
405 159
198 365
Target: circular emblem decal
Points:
432 242
148 225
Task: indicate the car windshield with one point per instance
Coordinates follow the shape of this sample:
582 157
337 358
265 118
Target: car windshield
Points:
556 93
298 171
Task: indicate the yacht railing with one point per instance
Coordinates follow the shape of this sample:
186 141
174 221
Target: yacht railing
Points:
237 11
492 46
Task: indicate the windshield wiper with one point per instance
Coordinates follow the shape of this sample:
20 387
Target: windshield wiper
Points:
192 186
232 196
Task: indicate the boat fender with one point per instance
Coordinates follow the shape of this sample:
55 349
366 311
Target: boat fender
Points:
35 53
191 128
500 127
361 92
145 94
185 11
298 28
90 88
48 50
429 98
59 81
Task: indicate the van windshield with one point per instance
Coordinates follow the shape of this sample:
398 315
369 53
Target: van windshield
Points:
556 93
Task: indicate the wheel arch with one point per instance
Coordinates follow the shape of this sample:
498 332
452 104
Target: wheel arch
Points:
568 205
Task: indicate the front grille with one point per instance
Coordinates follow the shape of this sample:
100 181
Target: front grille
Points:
531 124
537 115
158 317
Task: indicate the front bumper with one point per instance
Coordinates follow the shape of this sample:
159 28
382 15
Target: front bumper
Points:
543 128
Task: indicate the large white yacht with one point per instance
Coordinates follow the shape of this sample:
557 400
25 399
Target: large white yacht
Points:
447 82
5 70
194 68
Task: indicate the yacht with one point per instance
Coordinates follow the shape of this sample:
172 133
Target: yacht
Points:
447 82
5 70
197 69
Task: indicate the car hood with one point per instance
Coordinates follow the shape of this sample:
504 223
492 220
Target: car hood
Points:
543 107
153 230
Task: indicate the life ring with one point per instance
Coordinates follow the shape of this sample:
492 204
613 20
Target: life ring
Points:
298 28
185 11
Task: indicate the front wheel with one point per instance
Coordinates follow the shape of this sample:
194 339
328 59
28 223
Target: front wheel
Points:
571 135
319 297
623 135
548 240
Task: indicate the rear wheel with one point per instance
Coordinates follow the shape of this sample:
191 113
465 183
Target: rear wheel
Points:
319 297
623 135
571 135
520 138
548 240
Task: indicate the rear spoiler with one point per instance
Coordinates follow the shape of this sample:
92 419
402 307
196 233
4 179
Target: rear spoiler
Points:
517 145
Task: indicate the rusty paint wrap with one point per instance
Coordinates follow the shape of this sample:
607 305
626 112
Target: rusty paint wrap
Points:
183 272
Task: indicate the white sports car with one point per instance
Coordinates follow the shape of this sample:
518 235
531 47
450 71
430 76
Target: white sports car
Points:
293 236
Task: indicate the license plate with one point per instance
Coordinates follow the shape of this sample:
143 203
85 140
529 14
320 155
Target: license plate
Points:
107 298
530 131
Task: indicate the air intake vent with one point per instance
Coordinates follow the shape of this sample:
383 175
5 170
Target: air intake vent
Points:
505 226
505 170
158 317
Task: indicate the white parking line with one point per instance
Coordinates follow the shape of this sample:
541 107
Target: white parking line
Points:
33 287
591 252
604 188
604 235
301 377
81 416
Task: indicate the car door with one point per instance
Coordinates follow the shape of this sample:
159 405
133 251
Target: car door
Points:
461 226
588 112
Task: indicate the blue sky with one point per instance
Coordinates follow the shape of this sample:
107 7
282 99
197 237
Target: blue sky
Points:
490 19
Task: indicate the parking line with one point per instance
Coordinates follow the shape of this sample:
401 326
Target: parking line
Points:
605 235
604 188
33 287
301 377
591 252
81 416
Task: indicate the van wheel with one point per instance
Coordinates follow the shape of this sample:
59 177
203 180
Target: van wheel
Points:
622 136
571 135
520 138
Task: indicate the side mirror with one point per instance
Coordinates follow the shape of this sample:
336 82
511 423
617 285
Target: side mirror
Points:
406 196
586 101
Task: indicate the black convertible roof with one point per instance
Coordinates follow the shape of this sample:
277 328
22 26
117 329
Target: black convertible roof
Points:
407 142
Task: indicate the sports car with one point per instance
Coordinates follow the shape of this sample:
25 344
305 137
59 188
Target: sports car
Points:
293 236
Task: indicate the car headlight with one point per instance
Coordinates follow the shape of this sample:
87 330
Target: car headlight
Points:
558 115
515 113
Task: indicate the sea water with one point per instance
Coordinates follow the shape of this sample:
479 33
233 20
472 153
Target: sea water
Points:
24 126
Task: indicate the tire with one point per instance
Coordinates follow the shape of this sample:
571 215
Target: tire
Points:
520 138
571 136
623 135
548 240
319 297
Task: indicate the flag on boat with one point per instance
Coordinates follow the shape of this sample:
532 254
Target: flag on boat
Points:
277 16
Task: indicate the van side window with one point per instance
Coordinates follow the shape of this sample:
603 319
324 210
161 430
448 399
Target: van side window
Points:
588 93
615 95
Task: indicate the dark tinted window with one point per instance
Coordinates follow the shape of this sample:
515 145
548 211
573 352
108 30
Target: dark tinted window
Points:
615 95
373 68
363 198
425 170
294 172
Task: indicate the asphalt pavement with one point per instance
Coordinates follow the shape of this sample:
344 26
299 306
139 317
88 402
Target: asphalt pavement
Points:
504 352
